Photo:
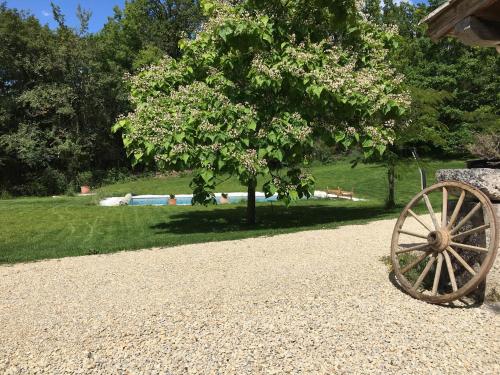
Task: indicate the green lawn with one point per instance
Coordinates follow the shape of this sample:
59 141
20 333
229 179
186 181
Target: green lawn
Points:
40 228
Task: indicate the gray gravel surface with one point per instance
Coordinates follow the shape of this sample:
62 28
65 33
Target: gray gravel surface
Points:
309 302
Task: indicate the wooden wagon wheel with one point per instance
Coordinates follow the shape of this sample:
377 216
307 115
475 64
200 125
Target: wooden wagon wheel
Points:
428 249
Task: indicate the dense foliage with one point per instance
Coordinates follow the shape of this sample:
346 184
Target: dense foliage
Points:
259 83
61 90
455 89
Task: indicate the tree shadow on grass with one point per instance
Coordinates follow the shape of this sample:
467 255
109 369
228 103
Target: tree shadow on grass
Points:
270 218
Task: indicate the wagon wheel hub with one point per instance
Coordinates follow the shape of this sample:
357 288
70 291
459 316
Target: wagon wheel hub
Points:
445 246
439 239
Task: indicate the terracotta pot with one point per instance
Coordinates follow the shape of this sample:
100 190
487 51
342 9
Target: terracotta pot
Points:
85 189
172 201
224 200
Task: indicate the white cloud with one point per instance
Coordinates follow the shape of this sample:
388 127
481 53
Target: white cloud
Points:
45 13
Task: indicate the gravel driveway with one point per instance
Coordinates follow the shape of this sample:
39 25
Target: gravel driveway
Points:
309 302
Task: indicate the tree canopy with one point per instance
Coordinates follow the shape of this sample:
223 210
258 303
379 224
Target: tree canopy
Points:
259 83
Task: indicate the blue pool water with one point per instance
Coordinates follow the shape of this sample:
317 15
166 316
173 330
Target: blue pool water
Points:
148 202
186 201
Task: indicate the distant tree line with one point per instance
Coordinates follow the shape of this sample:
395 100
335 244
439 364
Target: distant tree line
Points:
62 90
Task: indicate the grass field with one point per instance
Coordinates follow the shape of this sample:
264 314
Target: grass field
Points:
40 228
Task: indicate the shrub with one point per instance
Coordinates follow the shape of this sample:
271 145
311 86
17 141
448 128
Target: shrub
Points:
84 178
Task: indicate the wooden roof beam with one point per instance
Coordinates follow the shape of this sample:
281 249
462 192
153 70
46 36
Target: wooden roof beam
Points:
443 20
476 32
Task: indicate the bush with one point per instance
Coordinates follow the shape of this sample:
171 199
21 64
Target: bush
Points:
4 194
53 181
325 153
84 178
48 182
115 175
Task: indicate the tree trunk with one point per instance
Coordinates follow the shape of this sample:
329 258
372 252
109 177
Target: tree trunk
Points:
391 177
251 202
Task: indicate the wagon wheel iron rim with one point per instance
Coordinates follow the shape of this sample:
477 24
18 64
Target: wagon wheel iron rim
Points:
436 239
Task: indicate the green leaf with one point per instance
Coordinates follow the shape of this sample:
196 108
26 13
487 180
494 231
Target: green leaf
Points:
293 195
278 155
268 38
127 141
138 155
347 142
367 143
381 149
149 148
224 32
207 175
120 124
316 90
207 6
339 137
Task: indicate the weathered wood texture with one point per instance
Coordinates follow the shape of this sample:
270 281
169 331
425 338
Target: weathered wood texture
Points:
492 288
468 241
476 32
474 22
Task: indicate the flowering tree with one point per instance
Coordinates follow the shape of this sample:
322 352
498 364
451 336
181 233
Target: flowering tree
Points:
259 83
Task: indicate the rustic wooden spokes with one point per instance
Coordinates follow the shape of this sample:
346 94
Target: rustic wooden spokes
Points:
444 242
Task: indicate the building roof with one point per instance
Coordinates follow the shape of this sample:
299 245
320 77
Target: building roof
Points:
473 22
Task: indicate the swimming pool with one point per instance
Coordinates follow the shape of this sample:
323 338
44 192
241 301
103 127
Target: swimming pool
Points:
185 199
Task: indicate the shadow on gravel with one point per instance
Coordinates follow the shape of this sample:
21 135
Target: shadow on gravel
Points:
464 304
269 217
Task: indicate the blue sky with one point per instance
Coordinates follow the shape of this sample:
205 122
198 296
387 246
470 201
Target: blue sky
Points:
101 10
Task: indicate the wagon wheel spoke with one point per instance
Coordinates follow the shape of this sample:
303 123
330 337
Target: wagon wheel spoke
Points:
422 246
477 249
456 210
413 234
431 211
426 254
424 272
415 262
466 218
444 210
415 216
450 271
471 231
461 260
437 275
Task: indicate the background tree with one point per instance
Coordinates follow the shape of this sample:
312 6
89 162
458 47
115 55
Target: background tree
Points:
451 87
61 90
146 30
259 83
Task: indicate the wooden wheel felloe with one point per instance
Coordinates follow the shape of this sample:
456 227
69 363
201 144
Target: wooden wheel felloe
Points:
444 242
